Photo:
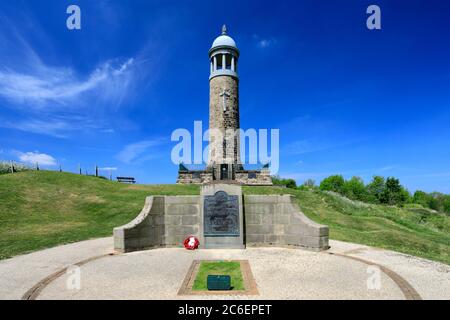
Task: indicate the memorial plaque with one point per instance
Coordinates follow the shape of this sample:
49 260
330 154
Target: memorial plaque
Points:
221 215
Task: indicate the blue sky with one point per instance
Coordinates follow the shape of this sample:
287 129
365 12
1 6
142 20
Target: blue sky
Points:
346 99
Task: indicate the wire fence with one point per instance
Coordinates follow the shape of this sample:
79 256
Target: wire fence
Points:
15 167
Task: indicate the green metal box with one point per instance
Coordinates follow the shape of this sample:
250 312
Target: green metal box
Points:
218 282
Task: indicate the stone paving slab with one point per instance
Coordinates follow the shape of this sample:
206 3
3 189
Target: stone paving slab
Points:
19 274
280 273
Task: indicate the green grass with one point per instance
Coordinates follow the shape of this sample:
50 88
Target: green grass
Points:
42 209
416 231
231 268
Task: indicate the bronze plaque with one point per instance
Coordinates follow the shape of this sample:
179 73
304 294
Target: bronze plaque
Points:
221 215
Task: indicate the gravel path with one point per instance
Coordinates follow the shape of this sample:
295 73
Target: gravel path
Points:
279 273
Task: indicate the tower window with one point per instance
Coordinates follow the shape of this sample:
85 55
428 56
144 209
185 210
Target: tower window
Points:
228 61
219 61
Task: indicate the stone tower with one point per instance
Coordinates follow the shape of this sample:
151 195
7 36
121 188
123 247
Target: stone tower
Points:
224 158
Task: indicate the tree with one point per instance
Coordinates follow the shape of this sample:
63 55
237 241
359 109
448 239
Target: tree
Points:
333 183
422 198
355 189
290 183
437 201
394 193
447 204
375 189
310 183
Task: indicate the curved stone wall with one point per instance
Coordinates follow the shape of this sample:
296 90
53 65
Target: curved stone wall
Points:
269 220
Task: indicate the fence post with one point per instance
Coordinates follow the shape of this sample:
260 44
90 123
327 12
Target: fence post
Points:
12 167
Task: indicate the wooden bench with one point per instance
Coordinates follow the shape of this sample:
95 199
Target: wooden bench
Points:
126 180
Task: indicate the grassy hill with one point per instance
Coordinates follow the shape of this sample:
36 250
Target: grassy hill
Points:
40 209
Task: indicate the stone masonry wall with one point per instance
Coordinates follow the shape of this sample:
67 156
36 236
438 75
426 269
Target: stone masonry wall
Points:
275 220
145 231
190 177
164 221
182 219
222 120
255 178
270 220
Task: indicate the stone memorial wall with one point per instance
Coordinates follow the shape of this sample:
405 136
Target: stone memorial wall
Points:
221 217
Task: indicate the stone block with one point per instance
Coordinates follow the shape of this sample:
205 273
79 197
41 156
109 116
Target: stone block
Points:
147 242
182 200
260 208
259 229
184 209
307 230
271 238
285 198
119 243
132 244
190 220
281 218
132 233
170 239
173 220
189 230
157 206
319 243
253 219
267 219
255 238
255 199
279 229
284 208
159 219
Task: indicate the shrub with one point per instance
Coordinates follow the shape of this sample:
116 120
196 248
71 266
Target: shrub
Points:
5 167
288 183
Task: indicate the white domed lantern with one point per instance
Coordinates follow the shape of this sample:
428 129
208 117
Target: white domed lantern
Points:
223 56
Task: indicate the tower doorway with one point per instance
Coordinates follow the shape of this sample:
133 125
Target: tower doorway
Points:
224 172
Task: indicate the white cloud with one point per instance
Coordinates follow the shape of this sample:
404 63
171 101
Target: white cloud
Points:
387 168
58 126
49 96
55 86
132 151
108 169
36 157
264 42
